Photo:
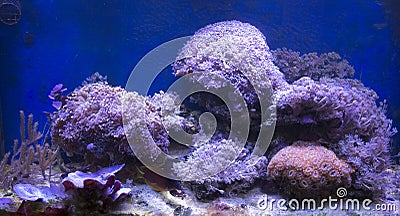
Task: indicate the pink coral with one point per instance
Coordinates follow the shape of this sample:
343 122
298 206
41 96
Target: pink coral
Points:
308 169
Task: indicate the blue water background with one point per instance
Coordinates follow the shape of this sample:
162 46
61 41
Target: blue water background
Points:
66 41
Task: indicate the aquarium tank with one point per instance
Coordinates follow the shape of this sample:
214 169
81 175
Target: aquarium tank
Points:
276 107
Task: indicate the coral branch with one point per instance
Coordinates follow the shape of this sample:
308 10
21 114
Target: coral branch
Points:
28 156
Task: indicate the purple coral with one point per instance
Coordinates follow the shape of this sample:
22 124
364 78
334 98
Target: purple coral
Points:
238 52
339 106
315 98
237 178
90 124
372 162
342 114
235 50
294 66
101 185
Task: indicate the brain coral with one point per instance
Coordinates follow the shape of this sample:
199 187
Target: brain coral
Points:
90 123
308 169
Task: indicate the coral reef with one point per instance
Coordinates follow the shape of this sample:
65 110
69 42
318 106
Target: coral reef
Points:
306 169
139 112
330 132
316 99
239 53
330 111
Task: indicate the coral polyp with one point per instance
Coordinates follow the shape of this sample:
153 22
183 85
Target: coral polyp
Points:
308 169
